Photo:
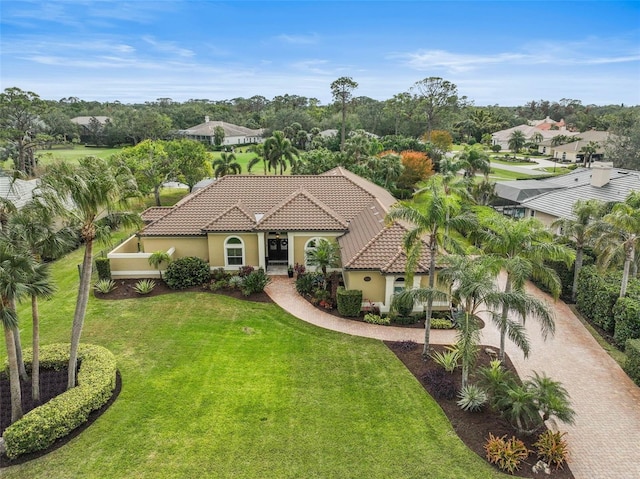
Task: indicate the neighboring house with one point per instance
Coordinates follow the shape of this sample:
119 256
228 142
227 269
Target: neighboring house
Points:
570 152
17 191
553 198
262 221
233 134
542 127
90 127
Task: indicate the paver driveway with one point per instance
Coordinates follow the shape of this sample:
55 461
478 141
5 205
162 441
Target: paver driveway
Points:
605 440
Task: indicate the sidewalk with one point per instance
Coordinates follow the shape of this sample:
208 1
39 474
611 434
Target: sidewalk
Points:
605 440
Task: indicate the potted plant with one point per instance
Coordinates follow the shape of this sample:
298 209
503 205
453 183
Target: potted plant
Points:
290 271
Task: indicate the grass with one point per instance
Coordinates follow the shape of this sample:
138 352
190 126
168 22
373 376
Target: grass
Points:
217 387
514 163
500 174
73 153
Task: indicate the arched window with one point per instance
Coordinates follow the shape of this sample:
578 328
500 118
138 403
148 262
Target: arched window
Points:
233 251
398 285
311 245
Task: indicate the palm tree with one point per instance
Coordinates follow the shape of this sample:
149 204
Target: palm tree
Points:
517 141
157 258
16 271
259 151
474 159
619 234
326 254
33 227
429 218
577 228
523 246
226 165
278 150
588 151
39 286
92 189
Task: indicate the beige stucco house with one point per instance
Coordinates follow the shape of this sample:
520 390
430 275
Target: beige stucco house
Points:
233 134
264 221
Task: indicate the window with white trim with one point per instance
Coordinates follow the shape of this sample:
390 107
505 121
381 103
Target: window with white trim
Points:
233 251
398 285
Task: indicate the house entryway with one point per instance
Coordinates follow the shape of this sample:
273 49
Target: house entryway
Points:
277 250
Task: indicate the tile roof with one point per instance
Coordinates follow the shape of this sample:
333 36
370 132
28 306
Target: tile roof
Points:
371 245
301 211
337 197
154 212
208 129
235 218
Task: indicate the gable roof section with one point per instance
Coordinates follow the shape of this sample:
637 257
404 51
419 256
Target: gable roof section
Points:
18 191
337 196
235 218
379 192
384 252
301 211
370 245
520 190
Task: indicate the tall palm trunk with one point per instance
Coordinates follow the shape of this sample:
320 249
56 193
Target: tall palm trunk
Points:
576 272
35 365
432 280
503 320
18 346
81 308
14 376
629 257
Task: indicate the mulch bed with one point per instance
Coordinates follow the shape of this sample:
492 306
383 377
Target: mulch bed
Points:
124 290
472 428
52 383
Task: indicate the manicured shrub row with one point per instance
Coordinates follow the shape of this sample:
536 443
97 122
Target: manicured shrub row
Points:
186 272
598 301
632 364
103 267
40 427
349 302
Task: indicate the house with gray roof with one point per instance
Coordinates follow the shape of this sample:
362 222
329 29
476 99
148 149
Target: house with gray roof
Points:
553 198
233 134
17 191
541 127
265 221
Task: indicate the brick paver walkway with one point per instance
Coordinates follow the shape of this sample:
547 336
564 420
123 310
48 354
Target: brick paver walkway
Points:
605 440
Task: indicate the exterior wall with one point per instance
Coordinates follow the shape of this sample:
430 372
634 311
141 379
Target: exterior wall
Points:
373 290
216 250
545 218
126 262
187 246
437 305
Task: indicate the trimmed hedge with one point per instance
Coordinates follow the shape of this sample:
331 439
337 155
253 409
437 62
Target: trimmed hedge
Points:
349 302
103 267
40 427
632 364
626 314
186 272
589 283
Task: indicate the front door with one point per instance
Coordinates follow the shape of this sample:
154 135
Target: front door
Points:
278 250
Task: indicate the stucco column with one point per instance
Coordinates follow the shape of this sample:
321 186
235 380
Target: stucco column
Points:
261 251
290 255
388 293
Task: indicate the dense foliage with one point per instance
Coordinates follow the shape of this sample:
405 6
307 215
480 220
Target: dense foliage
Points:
349 302
186 272
40 427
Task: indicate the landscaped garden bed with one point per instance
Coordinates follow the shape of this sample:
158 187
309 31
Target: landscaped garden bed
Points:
472 427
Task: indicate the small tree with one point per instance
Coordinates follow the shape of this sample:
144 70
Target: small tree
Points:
157 258
517 141
326 254
218 135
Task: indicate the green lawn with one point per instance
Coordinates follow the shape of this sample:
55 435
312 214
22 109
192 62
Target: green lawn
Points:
514 163
500 174
216 387
73 153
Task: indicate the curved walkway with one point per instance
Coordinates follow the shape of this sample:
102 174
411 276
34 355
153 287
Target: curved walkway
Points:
605 440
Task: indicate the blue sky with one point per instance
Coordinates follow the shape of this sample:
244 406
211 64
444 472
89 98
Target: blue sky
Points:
504 53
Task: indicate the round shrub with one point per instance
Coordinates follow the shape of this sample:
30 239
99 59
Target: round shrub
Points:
186 272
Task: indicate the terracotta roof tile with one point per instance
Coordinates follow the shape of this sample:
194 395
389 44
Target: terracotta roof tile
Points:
301 211
235 218
155 212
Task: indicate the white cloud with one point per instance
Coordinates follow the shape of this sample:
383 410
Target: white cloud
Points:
299 39
168 47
